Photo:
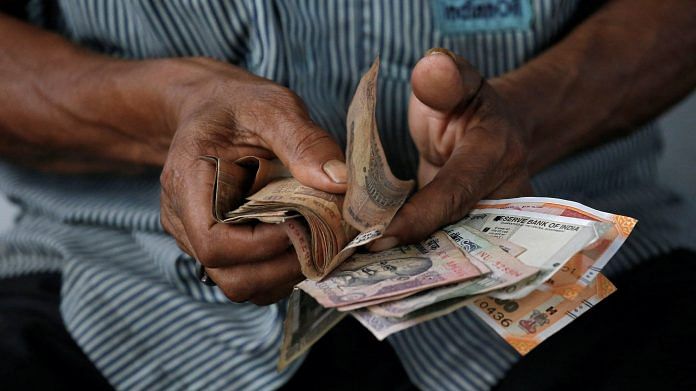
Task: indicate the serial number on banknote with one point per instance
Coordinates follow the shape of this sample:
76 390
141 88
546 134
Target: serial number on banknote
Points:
507 305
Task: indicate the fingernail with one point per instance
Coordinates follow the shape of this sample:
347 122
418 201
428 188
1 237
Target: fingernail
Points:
336 170
384 243
432 51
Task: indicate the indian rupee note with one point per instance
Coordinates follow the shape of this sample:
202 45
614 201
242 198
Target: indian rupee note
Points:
584 266
527 322
367 277
523 323
550 241
305 323
383 326
506 270
374 194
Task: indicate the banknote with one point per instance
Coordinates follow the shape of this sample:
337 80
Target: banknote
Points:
374 194
550 240
367 277
386 300
506 270
567 282
234 180
320 228
513 249
383 326
523 323
305 323
584 266
527 322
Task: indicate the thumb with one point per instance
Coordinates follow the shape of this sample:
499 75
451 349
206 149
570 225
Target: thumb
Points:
312 155
442 81
443 86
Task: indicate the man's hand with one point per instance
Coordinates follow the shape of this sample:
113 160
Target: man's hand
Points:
470 145
68 109
229 113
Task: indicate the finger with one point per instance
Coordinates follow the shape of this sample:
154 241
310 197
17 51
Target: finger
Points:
443 86
216 244
311 154
173 226
443 81
473 170
250 281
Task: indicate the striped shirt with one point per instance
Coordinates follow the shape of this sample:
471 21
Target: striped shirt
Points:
130 297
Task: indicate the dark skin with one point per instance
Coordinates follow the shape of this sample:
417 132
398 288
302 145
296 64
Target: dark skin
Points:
65 109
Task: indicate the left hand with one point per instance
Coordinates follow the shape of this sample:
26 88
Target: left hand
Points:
471 146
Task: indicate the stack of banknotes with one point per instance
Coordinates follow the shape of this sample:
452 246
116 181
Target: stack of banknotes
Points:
526 266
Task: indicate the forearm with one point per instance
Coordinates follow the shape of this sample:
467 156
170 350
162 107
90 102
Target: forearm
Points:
618 69
61 103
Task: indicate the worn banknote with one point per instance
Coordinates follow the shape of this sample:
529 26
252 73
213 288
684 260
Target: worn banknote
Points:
305 323
523 323
383 326
506 270
374 194
368 277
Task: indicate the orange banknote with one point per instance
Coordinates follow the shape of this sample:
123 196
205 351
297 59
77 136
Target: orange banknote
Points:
527 322
582 268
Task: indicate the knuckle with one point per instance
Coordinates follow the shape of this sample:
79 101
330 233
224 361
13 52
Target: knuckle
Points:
165 223
285 93
462 195
308 139
206 254
183 246
239 289
165 177
170 182
279 97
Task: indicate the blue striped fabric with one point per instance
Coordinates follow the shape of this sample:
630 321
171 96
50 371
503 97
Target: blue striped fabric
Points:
131 298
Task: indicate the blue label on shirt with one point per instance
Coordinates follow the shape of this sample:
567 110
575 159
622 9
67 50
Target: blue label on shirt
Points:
468 16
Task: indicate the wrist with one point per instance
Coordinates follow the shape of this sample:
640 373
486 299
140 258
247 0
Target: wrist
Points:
121 102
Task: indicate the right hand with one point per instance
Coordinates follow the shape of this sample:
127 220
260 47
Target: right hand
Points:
224 111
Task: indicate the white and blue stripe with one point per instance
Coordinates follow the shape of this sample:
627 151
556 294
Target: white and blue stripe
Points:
131 299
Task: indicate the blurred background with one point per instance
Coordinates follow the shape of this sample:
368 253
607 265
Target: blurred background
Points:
677 167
